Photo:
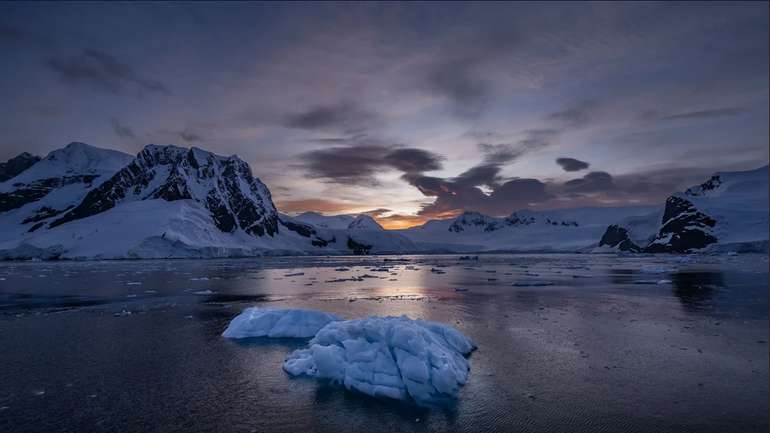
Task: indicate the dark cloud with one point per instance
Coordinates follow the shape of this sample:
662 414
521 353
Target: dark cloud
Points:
484 174
121 130
344 116
358 164
595 181
102 71
572 164
452 197
411 160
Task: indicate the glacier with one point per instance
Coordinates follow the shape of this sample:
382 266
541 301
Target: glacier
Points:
392 357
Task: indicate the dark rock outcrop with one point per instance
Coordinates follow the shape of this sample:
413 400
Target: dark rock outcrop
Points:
28 193
16 165
684 228
618 237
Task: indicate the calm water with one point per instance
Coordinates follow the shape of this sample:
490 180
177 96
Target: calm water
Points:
612 344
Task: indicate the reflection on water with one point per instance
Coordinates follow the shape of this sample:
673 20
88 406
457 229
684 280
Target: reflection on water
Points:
696 290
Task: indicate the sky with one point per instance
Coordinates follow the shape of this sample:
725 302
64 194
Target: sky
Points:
406 111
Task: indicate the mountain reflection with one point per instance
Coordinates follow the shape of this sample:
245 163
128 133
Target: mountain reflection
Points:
696 290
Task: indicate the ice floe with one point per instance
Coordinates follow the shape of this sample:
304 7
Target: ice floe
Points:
393 357
278 323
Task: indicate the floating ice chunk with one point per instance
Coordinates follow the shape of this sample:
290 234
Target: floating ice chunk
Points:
278 323
393 357
203 292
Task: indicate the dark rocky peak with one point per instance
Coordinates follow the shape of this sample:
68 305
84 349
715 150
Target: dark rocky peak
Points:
618 237
684 228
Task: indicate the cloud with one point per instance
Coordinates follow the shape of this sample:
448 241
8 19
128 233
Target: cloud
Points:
359 164
577 116
456 81
500 153
101 71
705 114
595 181
345 116
190 136
121 130
453 198
313 204
572 164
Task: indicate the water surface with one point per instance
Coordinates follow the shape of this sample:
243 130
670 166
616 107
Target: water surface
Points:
567 343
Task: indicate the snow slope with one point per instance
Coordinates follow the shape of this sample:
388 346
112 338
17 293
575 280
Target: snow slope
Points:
325 221
556 230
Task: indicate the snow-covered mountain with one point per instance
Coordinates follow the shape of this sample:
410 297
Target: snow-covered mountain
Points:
16 165
168 201
57 183
84 202
555 230
728 211
364 222
325 221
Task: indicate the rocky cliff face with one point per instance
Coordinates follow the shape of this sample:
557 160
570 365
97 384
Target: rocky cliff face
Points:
683 228
224 185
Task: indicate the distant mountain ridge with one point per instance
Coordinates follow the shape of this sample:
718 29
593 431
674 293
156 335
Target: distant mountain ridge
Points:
83 202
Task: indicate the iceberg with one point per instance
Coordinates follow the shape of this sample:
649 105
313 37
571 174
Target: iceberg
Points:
278 323
392 357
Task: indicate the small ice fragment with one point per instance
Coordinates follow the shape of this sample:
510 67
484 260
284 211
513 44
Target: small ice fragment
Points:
134 283
663 282
296 274
461 289
203 292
